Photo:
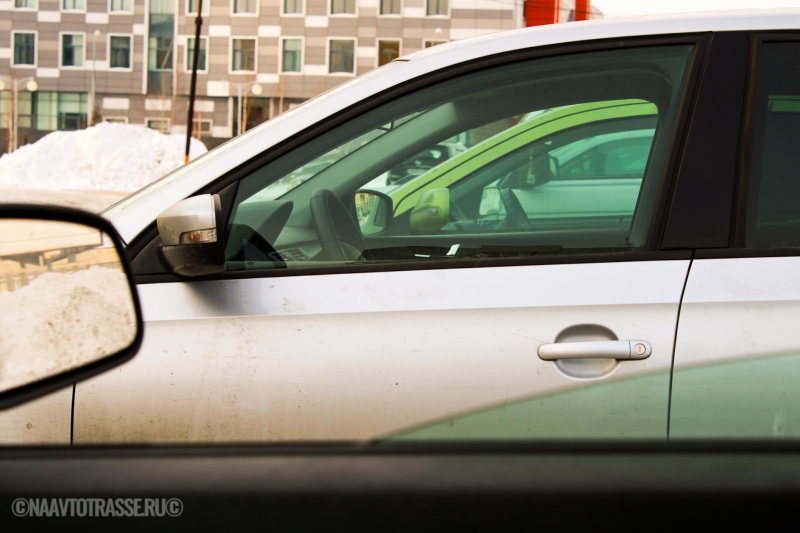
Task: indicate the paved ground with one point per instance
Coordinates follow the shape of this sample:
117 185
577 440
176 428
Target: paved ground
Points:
90 200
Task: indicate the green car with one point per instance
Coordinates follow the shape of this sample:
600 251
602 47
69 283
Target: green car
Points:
577 163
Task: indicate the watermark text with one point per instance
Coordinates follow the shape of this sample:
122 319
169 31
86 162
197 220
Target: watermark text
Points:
97 507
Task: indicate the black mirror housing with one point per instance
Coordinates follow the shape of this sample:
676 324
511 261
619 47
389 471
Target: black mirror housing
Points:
374 210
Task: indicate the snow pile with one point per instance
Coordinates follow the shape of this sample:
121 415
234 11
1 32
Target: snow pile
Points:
105 157
62 321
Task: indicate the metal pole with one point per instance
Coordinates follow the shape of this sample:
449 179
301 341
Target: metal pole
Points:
94 60
14 92
198 23
239 111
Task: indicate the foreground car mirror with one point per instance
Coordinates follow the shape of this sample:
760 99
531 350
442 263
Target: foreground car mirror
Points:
192 243
375 211
68 306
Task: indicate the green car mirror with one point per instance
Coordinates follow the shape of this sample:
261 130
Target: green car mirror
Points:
431 212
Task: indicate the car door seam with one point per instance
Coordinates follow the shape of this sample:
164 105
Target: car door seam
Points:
675 343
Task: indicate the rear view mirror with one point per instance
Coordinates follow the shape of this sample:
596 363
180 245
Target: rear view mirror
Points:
375 211
68 307
432 211
540 171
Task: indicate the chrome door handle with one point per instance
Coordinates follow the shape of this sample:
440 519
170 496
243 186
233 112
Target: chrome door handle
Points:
595 350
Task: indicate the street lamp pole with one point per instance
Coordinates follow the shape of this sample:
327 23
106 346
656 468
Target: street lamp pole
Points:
31 85
14 105
256 89
94 60
239 111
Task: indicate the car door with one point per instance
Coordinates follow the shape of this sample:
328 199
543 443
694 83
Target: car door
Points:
737 359
344 315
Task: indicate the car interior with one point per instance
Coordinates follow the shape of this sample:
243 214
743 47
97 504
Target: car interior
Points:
275 224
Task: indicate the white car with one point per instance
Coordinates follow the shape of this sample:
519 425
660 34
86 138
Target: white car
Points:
322 308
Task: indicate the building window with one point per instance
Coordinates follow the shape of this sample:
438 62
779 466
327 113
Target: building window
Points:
244 55
343 6
24 109
387 51
292 59
201 126
160 54
437 7
292 7
25 4
390 7
191 7
158 124
160 46
428 44
71 50
165 7
116 120
119 55
121 5
61 110
24 48
201 59
73 5
342 54
247 7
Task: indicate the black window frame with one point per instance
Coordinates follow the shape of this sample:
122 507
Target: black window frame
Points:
390 7
437 12
245 56
342 54
31 48
738 215
344 5
149 267
112 51
285 52
121 6
202 62
389 56
294 3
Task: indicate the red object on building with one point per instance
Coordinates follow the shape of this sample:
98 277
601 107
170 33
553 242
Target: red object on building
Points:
582 9
540 12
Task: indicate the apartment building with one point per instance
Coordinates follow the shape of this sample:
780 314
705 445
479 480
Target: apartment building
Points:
130 60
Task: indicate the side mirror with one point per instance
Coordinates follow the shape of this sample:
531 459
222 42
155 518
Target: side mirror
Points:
375 211
68 306
432 211
491 202
192 243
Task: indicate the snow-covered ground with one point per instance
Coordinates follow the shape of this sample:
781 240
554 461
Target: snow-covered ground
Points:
91 168
94 201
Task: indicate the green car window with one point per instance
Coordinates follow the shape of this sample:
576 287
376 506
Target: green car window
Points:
563 155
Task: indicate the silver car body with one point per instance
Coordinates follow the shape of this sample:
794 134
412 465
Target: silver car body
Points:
343 356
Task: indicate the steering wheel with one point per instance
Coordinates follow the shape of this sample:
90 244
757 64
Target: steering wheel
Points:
339 234
515 213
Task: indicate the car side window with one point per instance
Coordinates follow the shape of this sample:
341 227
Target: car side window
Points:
773 205
563 155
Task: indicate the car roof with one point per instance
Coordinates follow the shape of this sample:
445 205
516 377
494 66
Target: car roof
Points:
611 28
136 212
